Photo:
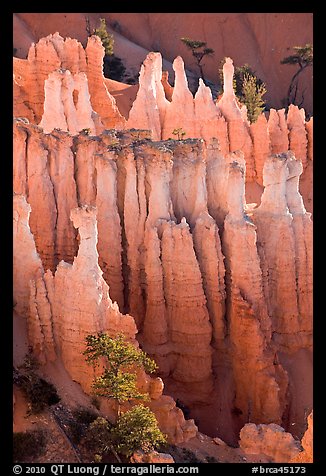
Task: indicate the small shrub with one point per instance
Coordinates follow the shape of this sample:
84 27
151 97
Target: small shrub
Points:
106 38
98 437
79 425
38 392
95 402
76 431
190 456
84 415
86 131
211 459
253 97
114 68
179 132
27 445
137 429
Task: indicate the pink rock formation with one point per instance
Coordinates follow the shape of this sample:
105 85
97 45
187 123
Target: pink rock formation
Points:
238 125
148 109
80 302
180 112
67 104
27 267
306 456
209 122
249 323
44 171
284 231
26 262
309 128
53 54
297 133
102 101
20 98
278 131
63 309
160 249
270 440
225 120
109 244
196 117
211 290
168 89
152 457
261 145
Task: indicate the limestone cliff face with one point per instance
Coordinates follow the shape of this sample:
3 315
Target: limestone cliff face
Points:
61 85
178 253
167 248
225 119
269 440
27 268
62 309
249 323
52 72
44 173
279 446
286 263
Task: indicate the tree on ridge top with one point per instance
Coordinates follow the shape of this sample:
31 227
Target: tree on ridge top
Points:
303 57
198 53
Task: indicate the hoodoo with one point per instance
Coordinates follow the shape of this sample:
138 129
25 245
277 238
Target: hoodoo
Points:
122 226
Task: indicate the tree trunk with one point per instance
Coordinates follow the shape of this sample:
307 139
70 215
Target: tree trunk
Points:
295 76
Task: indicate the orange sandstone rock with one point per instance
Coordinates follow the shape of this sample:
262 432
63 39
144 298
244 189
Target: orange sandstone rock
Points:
284 231
249 322
152 457
54 54
270 440
306 456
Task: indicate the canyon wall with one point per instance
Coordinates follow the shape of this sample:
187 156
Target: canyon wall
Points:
61 85
121 227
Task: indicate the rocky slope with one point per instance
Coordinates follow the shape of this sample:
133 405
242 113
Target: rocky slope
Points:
119 227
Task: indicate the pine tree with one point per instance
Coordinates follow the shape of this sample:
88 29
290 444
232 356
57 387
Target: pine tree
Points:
303 57
199 51
252 96
248 88
136 428
106 38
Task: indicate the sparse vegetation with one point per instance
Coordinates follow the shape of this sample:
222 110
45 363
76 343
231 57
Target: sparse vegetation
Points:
136 428
28 445
106 38
179 132
86 131
303 57
118 380
78 426
95 402
39 392
252 97
248 88
198 50
113 66
99 438
182 455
